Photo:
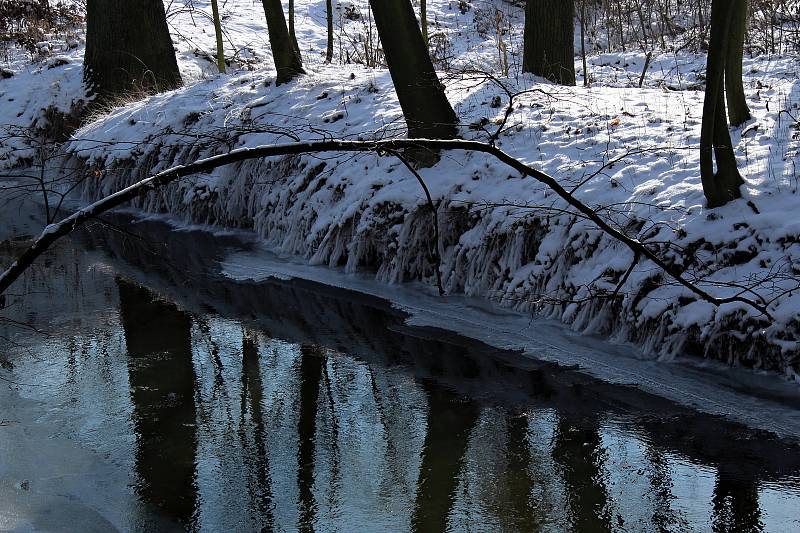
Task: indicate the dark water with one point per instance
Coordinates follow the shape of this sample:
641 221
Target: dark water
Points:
164 397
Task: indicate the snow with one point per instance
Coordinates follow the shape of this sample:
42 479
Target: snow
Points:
629 152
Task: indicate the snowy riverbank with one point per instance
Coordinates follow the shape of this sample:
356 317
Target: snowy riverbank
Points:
632 153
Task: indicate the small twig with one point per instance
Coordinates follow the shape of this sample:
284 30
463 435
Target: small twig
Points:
437 251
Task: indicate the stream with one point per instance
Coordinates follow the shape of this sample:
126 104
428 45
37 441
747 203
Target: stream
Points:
157 394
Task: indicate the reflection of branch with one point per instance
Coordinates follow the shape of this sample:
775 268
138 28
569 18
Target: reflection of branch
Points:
54 231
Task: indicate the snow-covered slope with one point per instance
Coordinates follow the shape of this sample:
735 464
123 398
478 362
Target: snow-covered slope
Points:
630 152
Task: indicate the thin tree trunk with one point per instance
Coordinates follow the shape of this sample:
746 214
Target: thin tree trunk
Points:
583 44
284 54
721 186
549 48
426 109
218 32
291 28
423 19
738 112
128 49
329 18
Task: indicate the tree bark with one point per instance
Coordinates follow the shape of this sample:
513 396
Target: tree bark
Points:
738 111
291 28
549 47
284 54
423 19
218 33
128 49
329 20
721 186
427 111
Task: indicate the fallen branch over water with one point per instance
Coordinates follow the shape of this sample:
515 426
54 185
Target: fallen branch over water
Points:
55 231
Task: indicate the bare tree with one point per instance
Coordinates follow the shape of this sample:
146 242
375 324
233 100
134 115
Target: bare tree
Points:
218 34
721 186
284 52
738 111
640 250
329 22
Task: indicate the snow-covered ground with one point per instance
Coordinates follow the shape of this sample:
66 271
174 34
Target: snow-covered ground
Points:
630 152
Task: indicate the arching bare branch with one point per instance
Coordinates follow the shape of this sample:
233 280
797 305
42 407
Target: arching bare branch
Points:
55 231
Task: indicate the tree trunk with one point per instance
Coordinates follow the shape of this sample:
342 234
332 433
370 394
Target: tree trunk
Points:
291 28
218 33
549 48
128 49
583 44
738 112
721 186
427 112
287 59
423 19
329 18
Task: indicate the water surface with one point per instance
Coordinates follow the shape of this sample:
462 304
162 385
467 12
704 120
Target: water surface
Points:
165 397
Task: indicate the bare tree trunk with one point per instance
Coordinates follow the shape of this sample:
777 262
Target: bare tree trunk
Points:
284 54
329 18
583 44
738 111
721 186
549 48
291 28
218 32
423 19
128 49
427 111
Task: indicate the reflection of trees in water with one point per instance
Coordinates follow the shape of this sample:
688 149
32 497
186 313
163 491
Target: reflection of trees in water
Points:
360 326
736 507
517 480
162 382
309 372
451 420
577 450
661 486
257 460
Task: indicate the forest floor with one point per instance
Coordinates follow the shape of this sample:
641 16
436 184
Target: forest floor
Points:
630 152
